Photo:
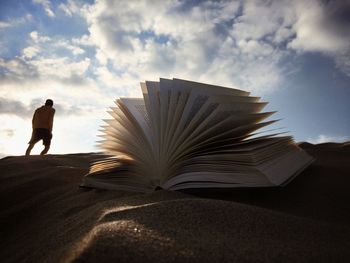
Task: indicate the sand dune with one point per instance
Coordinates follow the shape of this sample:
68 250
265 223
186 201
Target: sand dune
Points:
46 217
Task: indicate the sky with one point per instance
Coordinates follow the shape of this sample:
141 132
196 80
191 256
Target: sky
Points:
295 54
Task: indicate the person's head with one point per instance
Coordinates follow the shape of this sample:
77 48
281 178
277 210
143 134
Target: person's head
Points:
49 103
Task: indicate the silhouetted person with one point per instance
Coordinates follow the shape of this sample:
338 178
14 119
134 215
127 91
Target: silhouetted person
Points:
42 126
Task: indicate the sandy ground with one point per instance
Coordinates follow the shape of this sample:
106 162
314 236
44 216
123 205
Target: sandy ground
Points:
46 217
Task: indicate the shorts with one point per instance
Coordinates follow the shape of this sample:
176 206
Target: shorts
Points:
41 134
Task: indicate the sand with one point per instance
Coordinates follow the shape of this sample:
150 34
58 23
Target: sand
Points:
46 217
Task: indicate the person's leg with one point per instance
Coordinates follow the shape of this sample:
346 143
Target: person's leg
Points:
46 149
30 147
47 136
33 140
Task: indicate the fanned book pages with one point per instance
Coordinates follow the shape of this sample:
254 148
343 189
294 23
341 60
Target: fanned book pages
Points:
184 134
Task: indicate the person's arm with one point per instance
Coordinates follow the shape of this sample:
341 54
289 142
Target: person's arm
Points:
33 119
51 119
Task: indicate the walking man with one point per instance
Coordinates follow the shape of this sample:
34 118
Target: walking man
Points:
42 126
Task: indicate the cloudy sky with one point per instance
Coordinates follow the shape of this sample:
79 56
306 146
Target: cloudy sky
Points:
84 54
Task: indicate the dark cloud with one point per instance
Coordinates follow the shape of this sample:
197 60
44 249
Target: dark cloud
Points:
8 106
120 40
8 132
70 110
17 70
18 108
75 80
337 16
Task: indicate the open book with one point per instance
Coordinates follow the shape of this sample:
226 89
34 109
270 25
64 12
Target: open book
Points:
184 134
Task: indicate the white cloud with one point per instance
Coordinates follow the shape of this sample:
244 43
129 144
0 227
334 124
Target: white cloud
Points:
71 7
160 38
323 138
75 49
313 30
62 68
148 41
42 68
72 45
323 27
16 21
238 44
16 69
34 35
4 24
40 60
84 40
46 4
263 18
31 51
